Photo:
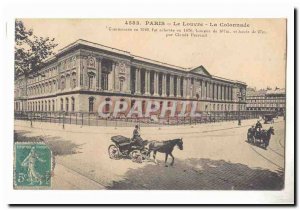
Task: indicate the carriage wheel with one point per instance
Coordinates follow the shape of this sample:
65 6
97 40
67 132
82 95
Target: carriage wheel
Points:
145 154
136 156
113 152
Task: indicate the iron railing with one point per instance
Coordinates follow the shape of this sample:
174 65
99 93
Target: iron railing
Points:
93 119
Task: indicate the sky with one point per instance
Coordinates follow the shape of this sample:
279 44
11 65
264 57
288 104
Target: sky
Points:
256 59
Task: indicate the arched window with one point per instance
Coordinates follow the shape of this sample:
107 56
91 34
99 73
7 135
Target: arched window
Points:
91 104
106 108
61 104
121 104
67 104
46 106
73 104
42 105
132 103
143 106
160 105
121 84
104 77
91 81
49 106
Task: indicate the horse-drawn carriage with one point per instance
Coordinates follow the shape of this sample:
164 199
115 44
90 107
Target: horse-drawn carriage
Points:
123 147
268 118
260 138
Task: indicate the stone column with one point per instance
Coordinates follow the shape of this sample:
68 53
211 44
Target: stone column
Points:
224 92
228 93
188 87
99 74
84 72
137 81
194 88
171 86
184 87
203 89
164 84
113 66
216 90
212 91
209 90
155 83
78 72
110 80
218 93
178 93
147 82
221 92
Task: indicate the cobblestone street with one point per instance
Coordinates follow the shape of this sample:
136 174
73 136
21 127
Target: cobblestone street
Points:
215 157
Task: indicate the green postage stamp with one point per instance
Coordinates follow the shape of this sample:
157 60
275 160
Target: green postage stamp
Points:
33 165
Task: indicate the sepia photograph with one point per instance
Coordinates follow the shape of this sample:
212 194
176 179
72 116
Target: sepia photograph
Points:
150 104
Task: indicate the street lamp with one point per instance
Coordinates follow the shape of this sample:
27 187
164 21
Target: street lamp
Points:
239 95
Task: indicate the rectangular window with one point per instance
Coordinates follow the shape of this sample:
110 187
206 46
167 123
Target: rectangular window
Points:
121 85
104 81
91 82
73 104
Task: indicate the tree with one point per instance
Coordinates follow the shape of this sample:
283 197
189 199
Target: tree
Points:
30 51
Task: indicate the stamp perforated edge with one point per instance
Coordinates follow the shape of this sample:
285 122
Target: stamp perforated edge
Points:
52 164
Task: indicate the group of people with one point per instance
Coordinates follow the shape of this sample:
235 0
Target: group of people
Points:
256 130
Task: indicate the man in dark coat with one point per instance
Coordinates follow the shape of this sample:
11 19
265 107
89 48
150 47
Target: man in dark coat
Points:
136 137
258 126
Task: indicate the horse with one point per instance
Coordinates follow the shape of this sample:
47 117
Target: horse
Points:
265 136
165 147
251 134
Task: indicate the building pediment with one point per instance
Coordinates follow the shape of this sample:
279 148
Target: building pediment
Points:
201 70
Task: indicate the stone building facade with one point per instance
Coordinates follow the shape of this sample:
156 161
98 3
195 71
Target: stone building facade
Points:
83 74
266 100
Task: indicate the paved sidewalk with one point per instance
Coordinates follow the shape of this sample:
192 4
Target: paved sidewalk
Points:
215 157
67 179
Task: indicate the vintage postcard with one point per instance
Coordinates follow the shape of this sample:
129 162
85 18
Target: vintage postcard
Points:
150 104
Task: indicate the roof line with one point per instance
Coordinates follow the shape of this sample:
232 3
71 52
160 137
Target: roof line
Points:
83 41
